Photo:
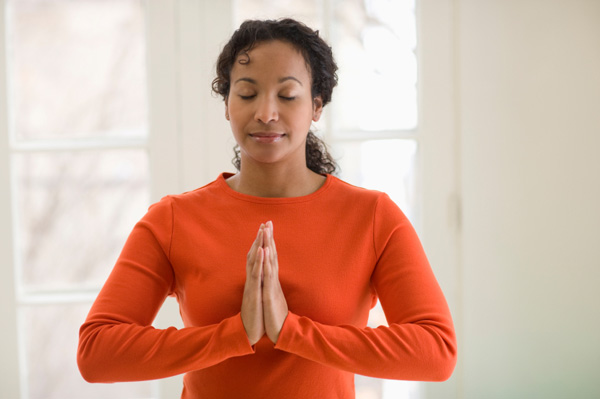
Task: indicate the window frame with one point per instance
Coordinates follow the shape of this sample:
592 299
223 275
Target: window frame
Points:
10 364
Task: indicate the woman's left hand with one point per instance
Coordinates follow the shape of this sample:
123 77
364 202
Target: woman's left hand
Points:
274 304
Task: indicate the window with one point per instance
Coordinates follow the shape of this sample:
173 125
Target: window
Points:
79 173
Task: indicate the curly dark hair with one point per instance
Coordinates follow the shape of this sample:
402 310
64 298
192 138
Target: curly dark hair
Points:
318 57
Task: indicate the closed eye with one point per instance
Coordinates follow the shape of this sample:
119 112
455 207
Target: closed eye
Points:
287 98
247 97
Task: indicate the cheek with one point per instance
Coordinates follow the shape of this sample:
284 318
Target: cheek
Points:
237 114
303 118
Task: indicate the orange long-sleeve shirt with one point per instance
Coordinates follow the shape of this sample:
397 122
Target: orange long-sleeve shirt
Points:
339 249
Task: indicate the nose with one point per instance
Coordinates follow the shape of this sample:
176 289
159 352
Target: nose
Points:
266 110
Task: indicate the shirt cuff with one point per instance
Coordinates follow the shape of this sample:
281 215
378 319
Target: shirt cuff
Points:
289 332
237 337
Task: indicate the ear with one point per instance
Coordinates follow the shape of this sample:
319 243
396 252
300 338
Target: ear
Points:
317 108
226 111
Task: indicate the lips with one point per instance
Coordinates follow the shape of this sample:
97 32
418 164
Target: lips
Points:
266 137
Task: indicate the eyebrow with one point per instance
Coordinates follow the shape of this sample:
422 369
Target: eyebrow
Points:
281 80
290 78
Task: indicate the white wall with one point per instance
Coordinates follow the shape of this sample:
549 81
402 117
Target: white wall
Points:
529 123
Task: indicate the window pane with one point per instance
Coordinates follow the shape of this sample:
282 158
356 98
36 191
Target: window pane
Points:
375 44
384 165
50 335
74 212
372 388
77 68
308 11
388 166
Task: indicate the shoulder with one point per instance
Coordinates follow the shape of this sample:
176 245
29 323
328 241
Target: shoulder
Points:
192 196
351 192
362 199
174 206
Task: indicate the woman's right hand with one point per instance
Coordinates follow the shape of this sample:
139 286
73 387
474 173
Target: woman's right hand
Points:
252 307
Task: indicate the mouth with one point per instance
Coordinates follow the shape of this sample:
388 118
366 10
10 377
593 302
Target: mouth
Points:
266 137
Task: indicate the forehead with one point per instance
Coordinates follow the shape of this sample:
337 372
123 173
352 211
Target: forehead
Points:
271 59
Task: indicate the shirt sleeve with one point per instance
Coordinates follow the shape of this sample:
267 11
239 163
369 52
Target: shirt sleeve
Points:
117 341
419 342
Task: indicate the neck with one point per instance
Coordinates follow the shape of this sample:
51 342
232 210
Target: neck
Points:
275 181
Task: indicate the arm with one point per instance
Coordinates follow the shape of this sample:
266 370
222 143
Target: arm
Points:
419 343
117 341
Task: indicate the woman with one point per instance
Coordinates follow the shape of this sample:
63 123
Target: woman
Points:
275 268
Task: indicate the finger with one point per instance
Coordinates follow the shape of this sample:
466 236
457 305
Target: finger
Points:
270 264
257 268
267 263
260 238
273 250
272 247
268 235
272 234
258 243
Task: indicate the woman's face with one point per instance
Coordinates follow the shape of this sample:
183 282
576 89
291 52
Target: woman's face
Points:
270 106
